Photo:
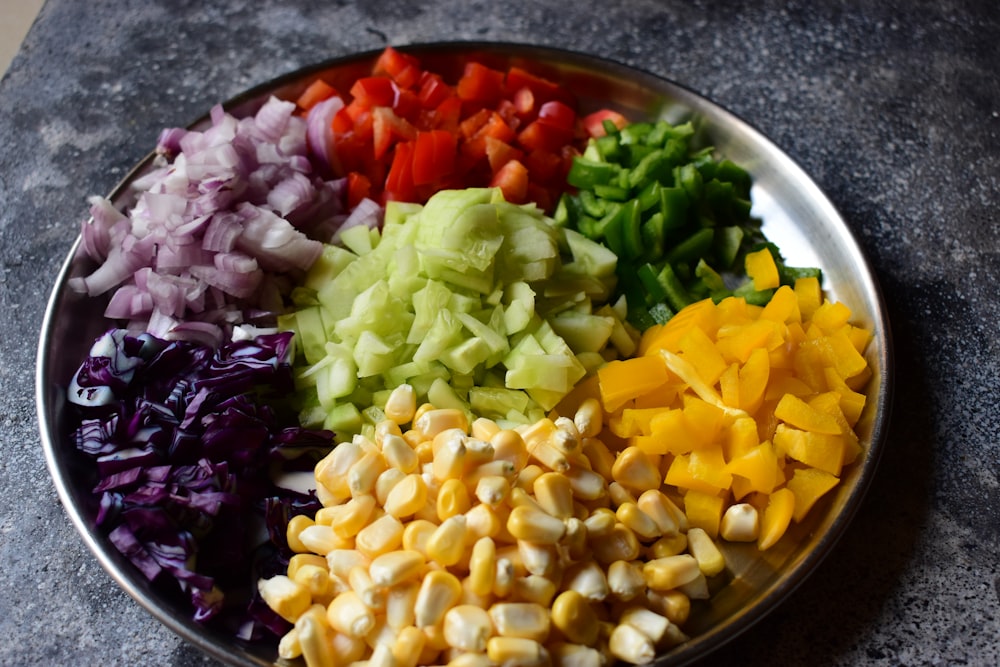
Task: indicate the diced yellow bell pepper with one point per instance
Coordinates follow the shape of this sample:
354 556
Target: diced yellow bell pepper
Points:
701 314
742 437
704 420
843 355
796 412
729 385
760 267
672 431
740 342
831 315
681 475
783 306
704 510
777 515
621 381
818 450
754 375
851 402
709 465
759 467
700 351
809 295
809 485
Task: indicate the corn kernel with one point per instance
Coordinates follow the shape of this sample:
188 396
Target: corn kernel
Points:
446 545
589 418
434 421
588 579
400 602
630 645
349 615
640 522
331 471
482 566
625 580
503 579
620 544
370 593
483 429
555 494
516 651
534 588
452 499
492 489
520 619
316 579
586 484
362 475
468 628
408 646
287 598
314 638
664 574
482 521
660 509
508 445
619 494
322 539
399 454
395 567
407 497
341 561
740 523
381 535
646 621
540 559
634 470
289 646
565 654
296 525
298 560
449 456
534 525
575 618
703 548
416 533
438 593
600 523
354 516
401 404
601 459
668 545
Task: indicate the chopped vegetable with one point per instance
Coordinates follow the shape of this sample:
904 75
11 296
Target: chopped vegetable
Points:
407 133
508 545
219 226
677 217
193 455
747 404
476 302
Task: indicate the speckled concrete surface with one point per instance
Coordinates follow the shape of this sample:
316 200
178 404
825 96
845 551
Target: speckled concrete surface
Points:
893 107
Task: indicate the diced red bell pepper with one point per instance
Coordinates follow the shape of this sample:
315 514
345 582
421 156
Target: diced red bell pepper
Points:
544 166
359 186
593 123
543 90
403 68
433 90
399 181
388 128
498 153
374 91
448 115
433 156
479 83
315 92
556 113
512 179
542 135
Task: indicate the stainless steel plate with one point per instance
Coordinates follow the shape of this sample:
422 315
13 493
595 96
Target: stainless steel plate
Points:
796 214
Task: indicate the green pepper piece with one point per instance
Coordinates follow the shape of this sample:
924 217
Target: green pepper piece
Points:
694 246
591 205
631 229
752 296
789 274
655 292
649 196
727 245
633 133
677 296
609 147
585 173
610 128
612 192
609 228
653 232
652 167
730 172
689 178
674 207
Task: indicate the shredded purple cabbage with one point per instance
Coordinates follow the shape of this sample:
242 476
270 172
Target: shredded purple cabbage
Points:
185 440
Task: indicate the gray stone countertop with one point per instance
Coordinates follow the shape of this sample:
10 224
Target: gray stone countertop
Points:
892 107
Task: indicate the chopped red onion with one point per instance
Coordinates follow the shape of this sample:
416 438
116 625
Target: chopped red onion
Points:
222 225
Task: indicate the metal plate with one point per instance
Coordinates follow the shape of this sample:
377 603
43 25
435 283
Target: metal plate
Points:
796 214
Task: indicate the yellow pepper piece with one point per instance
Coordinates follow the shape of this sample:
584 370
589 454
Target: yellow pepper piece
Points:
700 351
808 485
623 380
759 467
762 270
701 314
754 375
809 295
704 510
783 306
777 516
831 315
796 412
818 450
